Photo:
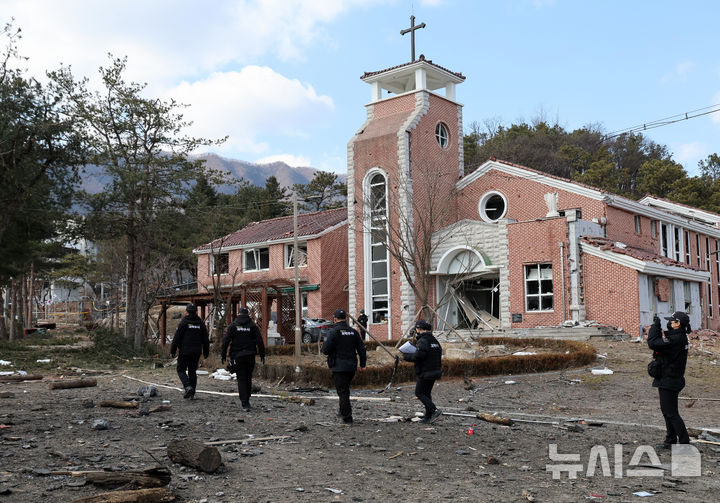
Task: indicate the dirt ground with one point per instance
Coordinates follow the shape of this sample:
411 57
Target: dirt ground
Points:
322 460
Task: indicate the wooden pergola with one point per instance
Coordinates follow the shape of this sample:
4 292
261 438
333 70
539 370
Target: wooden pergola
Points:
260 294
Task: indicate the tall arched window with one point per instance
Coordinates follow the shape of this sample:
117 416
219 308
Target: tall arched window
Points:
376 256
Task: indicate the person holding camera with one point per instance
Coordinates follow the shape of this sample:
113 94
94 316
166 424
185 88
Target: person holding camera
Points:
190 340
670 351
245 341
427 359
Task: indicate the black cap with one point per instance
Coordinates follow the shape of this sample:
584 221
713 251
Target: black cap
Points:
191 308
362 311
340 314
243 310
423 325
680 316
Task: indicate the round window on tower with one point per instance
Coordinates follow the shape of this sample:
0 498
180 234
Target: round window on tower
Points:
442 134
492 206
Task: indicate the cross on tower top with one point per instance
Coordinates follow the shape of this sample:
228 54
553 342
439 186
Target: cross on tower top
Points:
411 30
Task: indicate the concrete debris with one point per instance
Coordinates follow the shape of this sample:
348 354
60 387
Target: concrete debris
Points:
603 371
147 391
100 424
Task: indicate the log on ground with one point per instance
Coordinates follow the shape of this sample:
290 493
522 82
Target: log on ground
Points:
157 476
494 419
75 383
153 495
194 454
15 378
118 404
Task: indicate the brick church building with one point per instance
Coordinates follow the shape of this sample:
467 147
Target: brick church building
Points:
506 246
511 247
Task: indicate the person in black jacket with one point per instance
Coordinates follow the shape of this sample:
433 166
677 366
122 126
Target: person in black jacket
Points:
670 350
342 346
245 341
427 367
362 321
190 340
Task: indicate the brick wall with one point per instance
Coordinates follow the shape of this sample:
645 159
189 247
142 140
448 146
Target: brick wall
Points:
611 294
525 198
534 242
334 273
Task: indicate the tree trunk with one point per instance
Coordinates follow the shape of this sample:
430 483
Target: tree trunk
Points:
194 454
3 327
13 309
153 495
31 288
76 383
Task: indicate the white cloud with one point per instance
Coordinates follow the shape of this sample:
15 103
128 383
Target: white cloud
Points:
689 153
168 40
680 72
296 161
251 106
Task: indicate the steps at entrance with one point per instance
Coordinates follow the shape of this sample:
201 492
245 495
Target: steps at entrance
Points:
563 333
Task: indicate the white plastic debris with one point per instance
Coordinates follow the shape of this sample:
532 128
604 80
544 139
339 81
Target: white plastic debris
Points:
222 375
7 373
643 493
510 382
524 353
605 371
45 360
22 372
202 372
334 491
4 362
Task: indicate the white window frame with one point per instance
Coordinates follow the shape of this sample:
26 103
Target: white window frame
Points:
289 255
373 301
697 243
442 134
482 206
638 229
541 294
304 303
256 255
213 258
687 247
710 298
707 256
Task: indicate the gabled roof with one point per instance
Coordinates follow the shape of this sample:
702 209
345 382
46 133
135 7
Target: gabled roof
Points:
458 75
640 259
681 209
590 192
310 226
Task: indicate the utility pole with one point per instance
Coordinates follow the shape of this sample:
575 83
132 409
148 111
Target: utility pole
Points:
298 305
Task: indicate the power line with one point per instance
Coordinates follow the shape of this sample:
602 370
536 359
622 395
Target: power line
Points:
666 121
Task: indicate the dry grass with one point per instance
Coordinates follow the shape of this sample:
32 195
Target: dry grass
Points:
565 354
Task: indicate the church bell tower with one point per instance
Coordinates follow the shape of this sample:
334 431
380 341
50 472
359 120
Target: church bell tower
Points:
408 149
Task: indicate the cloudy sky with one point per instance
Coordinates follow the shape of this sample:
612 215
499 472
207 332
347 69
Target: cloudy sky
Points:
281 77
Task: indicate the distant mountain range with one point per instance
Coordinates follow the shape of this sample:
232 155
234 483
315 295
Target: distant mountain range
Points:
256 174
